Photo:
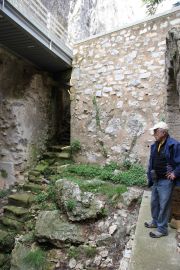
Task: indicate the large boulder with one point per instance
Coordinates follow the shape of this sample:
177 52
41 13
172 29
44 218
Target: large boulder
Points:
52 227
131 196
29 257
77 204
18 255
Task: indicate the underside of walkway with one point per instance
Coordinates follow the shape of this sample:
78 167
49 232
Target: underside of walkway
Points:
30 39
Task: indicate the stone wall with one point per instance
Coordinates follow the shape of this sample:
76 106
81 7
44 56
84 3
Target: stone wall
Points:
26 119
118 90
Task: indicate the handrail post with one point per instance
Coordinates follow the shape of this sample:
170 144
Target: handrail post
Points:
48 22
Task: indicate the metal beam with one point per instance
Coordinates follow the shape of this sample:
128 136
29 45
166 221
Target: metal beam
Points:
59 56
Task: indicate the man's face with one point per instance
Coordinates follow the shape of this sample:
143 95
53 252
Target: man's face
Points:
159 134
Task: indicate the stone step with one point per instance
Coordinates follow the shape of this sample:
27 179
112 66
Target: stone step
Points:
41 167
49 155
32 187
54 169
21 199
61 168
35 179
34 173
61 162
58 155
64 155
12 223
16 212
59 148
66 148
6 240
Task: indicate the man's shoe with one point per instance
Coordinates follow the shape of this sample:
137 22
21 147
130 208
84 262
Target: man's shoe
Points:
149 225
157 234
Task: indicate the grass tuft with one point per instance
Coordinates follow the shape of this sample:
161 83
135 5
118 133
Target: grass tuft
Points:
70 204
35 258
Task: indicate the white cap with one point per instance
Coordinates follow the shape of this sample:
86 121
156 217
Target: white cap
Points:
162 125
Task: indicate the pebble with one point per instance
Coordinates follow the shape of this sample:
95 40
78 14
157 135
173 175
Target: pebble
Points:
79 266
127 253
97 260
72 263
112 229
104 253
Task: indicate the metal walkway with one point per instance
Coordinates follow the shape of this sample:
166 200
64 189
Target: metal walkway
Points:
28 29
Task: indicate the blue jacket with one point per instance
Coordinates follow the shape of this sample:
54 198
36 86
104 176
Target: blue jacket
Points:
172 153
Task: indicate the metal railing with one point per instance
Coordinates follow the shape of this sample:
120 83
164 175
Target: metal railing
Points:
40 16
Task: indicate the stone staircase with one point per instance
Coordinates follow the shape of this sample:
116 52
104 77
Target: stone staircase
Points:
18 214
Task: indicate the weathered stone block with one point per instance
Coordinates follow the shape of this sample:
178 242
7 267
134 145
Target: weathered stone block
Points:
77 204
52 227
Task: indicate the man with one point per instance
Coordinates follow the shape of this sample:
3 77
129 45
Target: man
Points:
163 174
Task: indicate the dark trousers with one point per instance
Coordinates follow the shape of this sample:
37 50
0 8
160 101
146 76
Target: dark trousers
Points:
161 203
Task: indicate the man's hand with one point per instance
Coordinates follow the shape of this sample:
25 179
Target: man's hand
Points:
170 175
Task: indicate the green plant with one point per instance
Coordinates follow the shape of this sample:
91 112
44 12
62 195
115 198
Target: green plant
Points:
152 5
51 192
98 125
30 225
97 112
104 212
50 206
42 166
130 174
73 252
48 171
104 152
112 166
4 173
70 204
41 197
126 164
90 251
111 190
54 178
35 258
135 175
46 199
75 147
84 170
4 193
91 171
103 149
